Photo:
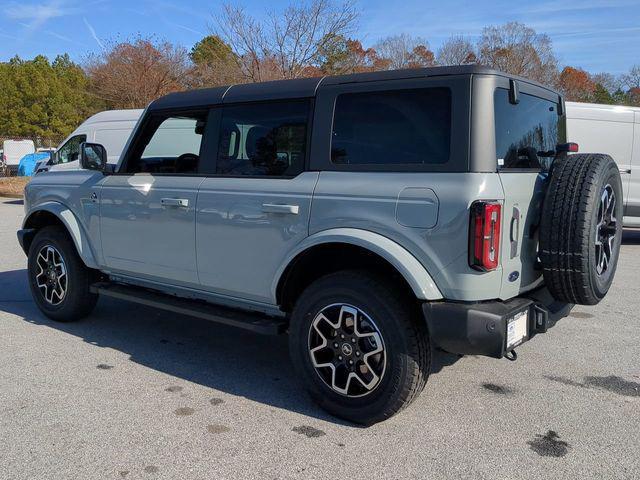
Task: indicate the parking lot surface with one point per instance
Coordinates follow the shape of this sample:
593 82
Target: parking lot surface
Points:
133 392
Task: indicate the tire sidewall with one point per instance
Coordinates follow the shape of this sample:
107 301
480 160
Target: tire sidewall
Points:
77 296
394 338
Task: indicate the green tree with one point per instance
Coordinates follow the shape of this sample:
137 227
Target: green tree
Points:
602 95
43 99
212 50
214 63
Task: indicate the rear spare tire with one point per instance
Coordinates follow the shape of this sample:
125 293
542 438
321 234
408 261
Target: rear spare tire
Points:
581 228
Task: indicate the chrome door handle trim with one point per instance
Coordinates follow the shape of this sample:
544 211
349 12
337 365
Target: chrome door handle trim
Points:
174 202
280 208
625 170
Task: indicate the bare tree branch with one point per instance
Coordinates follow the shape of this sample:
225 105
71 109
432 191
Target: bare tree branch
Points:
287 43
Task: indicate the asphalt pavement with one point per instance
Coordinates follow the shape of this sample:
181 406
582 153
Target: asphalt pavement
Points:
136 393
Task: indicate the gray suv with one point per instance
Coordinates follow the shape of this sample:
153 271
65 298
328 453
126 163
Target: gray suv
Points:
372 217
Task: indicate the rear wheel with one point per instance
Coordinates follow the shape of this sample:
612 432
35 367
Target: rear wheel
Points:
358 346
581 228
58 278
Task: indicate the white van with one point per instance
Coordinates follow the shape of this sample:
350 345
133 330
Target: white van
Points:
615 130
110 128
14 150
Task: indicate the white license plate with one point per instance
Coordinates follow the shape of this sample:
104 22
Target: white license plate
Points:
517 328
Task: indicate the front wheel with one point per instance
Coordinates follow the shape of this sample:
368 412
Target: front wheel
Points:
358 346
59 280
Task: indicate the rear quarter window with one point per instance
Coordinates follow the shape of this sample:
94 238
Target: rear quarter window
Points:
527 132
401 127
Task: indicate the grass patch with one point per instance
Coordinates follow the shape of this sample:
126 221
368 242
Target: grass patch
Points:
13 186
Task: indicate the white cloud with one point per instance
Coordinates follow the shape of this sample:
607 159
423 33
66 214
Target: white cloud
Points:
38 14
58 36
188 29
92 31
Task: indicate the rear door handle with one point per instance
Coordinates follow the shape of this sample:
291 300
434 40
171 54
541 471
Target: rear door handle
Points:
625 170
514 232
174 202
280 208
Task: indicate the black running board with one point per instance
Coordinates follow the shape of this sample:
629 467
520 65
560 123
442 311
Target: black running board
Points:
254 322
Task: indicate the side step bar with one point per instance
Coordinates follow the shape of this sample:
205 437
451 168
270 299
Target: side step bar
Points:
196 308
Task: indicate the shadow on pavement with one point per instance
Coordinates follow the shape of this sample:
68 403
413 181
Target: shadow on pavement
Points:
227 359
631 236
17 201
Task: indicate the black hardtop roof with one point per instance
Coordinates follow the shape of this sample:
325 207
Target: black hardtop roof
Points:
307 87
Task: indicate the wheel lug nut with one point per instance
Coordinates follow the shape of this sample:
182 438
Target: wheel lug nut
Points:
340 357
353 340
342 336
350 362
335 345
357 354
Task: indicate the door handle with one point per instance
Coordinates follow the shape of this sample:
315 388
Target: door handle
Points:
625 170
280 208
174 202
514 232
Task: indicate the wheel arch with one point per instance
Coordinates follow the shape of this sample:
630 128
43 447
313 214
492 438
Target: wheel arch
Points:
323 252
54 213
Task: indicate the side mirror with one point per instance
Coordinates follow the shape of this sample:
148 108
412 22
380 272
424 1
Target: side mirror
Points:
93 156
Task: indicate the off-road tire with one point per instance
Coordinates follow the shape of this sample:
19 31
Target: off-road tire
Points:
569 227
78 301
404 334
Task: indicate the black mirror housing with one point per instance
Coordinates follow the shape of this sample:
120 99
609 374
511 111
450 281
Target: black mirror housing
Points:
93 156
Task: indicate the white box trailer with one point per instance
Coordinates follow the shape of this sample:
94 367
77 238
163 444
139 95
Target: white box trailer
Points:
614 130
14 150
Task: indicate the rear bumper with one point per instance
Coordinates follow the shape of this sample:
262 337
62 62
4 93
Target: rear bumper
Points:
481 328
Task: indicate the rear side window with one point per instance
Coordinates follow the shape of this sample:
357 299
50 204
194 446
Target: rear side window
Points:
527 132
402 127
263 139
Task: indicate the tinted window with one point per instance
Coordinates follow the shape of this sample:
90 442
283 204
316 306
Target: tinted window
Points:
526 133
169 145
70 151
263 139
393 127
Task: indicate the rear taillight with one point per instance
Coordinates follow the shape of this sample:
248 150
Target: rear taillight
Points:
567 148
484 235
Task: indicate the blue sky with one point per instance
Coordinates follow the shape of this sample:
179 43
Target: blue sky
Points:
598 35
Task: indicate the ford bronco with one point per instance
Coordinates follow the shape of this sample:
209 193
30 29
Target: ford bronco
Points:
373 217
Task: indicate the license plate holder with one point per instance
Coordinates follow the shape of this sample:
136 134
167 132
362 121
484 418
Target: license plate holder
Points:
517 329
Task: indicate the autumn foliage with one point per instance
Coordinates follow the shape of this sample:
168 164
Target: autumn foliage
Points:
577 84
132 74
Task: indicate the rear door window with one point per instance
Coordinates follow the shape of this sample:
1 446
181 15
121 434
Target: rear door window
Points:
263 139
400 127
527 132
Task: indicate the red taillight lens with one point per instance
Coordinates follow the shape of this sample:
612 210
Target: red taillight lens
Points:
567 148
484 235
